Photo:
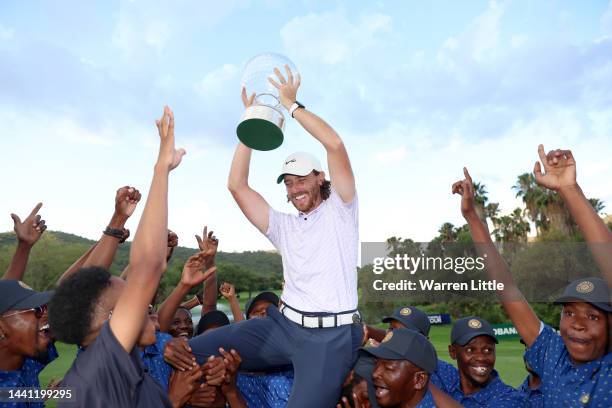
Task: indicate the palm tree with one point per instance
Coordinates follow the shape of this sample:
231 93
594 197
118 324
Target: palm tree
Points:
447 232
597 204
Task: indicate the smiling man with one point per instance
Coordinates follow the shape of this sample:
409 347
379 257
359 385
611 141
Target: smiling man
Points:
405 360
317 328
476 383
25 345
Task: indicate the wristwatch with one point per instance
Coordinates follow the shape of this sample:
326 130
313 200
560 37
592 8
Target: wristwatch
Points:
296 105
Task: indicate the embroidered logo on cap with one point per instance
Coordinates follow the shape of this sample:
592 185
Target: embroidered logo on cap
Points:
474 324
387 337
405 311
585 287
23 285
584 398
290 161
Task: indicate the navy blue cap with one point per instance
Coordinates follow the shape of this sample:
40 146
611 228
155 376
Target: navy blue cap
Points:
406 344
467 328
267 296
213 318
594 291
16 295
411 318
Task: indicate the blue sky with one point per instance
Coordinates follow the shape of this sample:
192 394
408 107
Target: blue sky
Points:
416 89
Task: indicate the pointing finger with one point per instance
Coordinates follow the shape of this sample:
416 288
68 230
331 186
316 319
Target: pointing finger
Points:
35 210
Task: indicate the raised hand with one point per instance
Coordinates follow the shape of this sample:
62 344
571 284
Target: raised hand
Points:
31 229
465 189
193 271
247 100
126 200
232 361
287 87
560 168
208 243
169 157
172 243
227 290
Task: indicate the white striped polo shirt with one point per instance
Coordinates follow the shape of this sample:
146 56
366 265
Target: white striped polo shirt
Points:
319 252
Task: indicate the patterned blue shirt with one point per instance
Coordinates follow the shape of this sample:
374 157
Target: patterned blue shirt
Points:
153 360
495 394
534 396
266 391
27 376
566 385
443 378
427 401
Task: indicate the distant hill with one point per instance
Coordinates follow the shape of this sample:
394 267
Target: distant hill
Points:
57 250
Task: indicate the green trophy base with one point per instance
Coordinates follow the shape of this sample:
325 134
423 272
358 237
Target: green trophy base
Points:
260 134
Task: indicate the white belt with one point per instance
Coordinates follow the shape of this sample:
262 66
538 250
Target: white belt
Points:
319 322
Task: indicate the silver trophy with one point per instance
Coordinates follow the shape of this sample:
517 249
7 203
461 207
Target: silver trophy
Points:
262 124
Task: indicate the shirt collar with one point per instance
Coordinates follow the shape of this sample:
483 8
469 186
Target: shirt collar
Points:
485 393
302 214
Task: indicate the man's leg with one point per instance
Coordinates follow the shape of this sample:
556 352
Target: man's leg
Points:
321 362
261 342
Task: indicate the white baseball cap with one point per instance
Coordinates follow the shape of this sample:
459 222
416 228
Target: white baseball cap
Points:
299 164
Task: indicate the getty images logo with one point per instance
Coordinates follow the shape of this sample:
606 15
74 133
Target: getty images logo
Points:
290 161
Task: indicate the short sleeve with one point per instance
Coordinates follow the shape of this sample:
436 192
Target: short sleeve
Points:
275 227
350 208
545 352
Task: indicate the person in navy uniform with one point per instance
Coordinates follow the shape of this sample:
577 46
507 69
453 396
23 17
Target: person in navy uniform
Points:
317 328
575 366
26 346
409 317
404 363
475 382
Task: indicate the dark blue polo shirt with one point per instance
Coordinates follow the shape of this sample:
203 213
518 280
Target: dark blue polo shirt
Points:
495 394
27 376
534 396
105 375
563 383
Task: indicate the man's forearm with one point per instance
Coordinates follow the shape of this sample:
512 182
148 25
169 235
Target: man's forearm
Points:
594 230
209 298
78 264
17 268
235 307
104 253
517 308
318 128
239 171
168 308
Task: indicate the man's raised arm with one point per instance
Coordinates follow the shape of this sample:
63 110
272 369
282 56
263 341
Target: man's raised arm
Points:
517 308
252 204
340 171
148 252
28 233
560 176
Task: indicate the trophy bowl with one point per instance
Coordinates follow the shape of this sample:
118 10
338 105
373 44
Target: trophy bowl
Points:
262 124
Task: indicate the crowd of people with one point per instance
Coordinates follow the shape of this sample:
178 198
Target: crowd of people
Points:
310 347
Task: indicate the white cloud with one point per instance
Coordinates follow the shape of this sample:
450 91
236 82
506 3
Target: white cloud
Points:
606 21
215 83
330 37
